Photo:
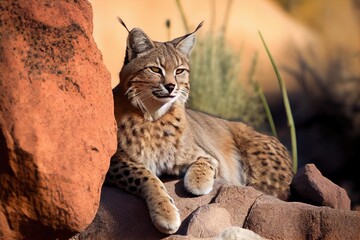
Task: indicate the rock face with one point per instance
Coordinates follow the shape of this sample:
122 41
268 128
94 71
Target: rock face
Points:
125 216
275 219
57 128
220 215
310 186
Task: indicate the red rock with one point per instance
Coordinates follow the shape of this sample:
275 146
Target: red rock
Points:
209 221
57 127
276 219
125 216
310 186
238 201
121 216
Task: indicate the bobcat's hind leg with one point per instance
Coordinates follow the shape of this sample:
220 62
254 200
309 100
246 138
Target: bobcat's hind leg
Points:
200 175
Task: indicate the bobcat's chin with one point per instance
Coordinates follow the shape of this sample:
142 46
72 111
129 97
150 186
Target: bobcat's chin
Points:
157 107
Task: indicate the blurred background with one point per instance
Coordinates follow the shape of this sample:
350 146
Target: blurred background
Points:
315 43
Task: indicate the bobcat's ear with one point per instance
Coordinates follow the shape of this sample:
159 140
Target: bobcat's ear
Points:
186 43
137 43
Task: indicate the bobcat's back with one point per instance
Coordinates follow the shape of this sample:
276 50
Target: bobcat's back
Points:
246 156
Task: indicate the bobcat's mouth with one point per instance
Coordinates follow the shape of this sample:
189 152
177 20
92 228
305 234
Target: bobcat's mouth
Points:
162 95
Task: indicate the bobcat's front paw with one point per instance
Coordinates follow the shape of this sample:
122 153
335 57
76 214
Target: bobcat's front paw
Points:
165 216
199 177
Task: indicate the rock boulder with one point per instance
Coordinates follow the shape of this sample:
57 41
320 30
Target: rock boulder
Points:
310 186
228 212
57 127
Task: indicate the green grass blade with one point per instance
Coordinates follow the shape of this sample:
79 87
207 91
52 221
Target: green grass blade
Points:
258 90
287 106
267 112
183 17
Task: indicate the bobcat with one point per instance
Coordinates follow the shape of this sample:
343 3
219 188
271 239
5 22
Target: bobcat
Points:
158 135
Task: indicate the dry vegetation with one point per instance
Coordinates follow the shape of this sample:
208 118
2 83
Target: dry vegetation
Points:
215 87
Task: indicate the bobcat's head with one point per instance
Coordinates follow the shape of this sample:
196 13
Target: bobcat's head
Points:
155 75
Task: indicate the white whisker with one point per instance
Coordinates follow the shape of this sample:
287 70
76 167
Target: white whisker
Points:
184 95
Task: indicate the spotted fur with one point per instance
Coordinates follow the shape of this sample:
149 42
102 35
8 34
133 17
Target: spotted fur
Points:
157 135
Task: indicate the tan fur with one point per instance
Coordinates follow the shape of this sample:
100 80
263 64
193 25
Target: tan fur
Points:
158 135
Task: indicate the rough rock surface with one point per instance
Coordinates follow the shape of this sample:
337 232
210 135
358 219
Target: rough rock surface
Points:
57 128
310 186
205 221
237 201
125 216
276 219
220 214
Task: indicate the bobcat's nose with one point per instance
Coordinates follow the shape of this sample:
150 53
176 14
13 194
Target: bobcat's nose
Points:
169 87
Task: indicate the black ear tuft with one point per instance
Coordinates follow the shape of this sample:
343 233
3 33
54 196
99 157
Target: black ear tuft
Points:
137 42
186 43
123 23
198 27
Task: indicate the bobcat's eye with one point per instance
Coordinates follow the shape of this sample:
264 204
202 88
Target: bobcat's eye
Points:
155 69
179 71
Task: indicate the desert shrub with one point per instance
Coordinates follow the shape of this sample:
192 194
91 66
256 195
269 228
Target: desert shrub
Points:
216 86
